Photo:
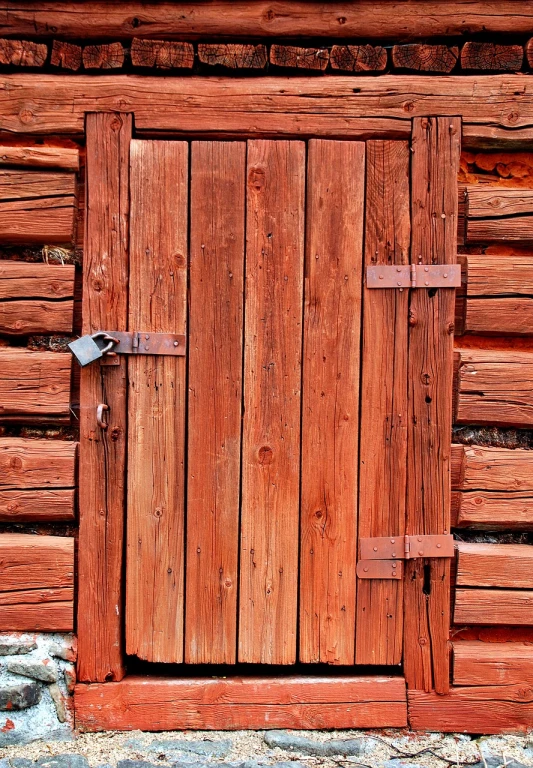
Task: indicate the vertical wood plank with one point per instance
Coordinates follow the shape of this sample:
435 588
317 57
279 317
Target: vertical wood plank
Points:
103 454
435 164
383 458
156 408
330 400
218 174
272 384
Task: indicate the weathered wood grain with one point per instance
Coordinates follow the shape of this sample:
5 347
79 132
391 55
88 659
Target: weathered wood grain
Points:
296 57
478 663
272 386
19 318
246 702
22 53
103 454
28 463
45 220
506 316
493 606
162 54
156 403
495 387
39 104
494 565
358 58
34 385
505 229
493 510
103 56
383 444
491 56
66 55
493 469
330 403
422 57
364 19
216 311
434 168
30 185
40 505
233 55
485 202
66 158
483 709
36 583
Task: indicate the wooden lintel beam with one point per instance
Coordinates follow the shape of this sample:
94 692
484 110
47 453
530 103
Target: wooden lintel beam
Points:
43 104
362 19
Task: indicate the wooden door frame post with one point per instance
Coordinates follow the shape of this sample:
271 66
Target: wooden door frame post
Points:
102 484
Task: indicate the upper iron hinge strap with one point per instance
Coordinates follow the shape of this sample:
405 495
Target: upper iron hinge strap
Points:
407 547
414 276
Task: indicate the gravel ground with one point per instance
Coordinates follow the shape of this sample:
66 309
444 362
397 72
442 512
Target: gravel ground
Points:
250 749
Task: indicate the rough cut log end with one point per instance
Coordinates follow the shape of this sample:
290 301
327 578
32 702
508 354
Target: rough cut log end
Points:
358 58
103 56
502 58
299 58
233 55
66 55
162 54
425 58
22 53
529 53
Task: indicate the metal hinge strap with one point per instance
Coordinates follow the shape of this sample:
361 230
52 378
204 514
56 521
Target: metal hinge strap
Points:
381 556
414 276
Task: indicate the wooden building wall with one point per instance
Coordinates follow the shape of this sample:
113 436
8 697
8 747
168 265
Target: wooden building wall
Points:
41 249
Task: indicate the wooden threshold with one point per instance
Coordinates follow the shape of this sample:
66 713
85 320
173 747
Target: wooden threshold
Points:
234 703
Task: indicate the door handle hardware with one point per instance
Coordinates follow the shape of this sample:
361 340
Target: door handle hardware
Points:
101 408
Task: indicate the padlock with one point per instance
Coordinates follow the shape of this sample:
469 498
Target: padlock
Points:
86 349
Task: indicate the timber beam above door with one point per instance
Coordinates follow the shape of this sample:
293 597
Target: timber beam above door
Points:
492 108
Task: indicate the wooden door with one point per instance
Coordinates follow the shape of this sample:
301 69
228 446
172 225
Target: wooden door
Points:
291 425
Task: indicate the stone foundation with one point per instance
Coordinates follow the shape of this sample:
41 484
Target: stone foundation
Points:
37 677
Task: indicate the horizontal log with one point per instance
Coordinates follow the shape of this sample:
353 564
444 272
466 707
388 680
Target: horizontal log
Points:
58 103
158 704
358 58
491 137
103 56
21 280
66 158
66 55
22 53
233 55
508 316
513 229
484 709
43 220
296 57
162 54
494 387
36 506
29 185
495 565
26 463
492 56
359 19
422 57
493 510
476 467
36 583
492 202
25 317
477 663
493 606
34 385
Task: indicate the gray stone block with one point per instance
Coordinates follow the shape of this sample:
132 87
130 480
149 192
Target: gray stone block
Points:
46 673
17 648
135 764
21 762
205 747
63 761
292 743
18 697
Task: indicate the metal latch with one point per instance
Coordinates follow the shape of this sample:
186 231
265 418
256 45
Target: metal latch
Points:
414 276
106 345
381 556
